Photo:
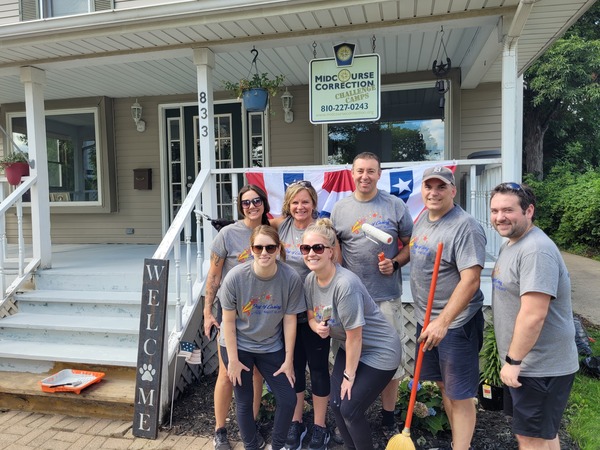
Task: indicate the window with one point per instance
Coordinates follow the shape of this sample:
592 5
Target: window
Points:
411 128
73 159
41 9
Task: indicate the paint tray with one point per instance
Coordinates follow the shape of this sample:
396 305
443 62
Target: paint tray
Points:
70 380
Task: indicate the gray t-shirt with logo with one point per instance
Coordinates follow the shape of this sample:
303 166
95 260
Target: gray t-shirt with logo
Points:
386 212
464 247
260 305
233 244
291 238
353 307
534 264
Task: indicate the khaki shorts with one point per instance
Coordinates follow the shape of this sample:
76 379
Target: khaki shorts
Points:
392 311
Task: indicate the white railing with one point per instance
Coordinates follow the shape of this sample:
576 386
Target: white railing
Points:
25 265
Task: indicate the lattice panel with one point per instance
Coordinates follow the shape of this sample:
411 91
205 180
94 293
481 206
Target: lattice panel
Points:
8 308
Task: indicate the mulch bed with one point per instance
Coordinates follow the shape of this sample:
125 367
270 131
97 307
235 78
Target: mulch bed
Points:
193 415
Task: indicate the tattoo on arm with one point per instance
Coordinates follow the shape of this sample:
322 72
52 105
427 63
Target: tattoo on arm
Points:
213 279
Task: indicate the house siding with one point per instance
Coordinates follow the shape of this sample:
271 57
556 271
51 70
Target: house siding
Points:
292 144
481 119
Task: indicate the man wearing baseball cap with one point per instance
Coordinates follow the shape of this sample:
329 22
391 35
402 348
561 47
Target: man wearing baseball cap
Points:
454 336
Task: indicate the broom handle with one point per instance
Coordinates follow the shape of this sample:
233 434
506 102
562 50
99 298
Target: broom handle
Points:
413 392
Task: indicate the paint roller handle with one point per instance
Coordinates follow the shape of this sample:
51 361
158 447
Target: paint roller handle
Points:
381 256
419 363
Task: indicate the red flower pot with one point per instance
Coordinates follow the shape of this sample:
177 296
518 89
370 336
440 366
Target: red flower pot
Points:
15 171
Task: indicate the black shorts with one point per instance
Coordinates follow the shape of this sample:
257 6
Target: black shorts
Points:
538 405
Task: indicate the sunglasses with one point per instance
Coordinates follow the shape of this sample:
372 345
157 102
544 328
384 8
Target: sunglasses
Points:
269 248
255 201
317 248
512 186
303 183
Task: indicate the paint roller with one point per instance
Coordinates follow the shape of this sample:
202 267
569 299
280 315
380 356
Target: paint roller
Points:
377 236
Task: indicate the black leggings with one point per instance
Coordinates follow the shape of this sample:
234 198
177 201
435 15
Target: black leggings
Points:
314 349
350 414
267 364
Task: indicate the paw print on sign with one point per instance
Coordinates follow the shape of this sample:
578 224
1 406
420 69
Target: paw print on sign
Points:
147 372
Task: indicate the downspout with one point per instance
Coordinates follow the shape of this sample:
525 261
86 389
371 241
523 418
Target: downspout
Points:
512 96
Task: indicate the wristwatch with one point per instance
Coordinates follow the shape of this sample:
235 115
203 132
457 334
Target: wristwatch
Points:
396 264
512 362
348 377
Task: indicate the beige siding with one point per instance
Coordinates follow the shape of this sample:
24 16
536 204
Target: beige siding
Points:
9 11
292 143
481 118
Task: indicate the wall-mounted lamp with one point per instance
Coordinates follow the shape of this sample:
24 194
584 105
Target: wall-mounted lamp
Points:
287 100
136 113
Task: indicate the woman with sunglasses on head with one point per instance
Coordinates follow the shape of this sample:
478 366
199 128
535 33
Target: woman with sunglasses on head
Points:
369 351
260 300
230 248
299 210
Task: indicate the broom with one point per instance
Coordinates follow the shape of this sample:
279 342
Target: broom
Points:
403 441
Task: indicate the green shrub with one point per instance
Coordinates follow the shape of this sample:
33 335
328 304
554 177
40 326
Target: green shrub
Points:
568 207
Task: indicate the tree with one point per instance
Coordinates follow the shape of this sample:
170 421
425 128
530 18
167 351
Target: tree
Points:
561 89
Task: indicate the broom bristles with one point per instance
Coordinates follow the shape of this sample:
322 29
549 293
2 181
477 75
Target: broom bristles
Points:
401 441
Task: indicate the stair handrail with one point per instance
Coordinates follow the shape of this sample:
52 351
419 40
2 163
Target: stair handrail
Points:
15 198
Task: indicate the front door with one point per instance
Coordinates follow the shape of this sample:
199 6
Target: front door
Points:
183 154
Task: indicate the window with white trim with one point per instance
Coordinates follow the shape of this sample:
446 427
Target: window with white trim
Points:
411 128
42 9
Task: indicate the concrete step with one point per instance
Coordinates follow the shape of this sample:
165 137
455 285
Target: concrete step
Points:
76 302
39 356
81 330
106 280
111 398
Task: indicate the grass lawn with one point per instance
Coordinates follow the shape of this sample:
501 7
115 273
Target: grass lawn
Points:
583 410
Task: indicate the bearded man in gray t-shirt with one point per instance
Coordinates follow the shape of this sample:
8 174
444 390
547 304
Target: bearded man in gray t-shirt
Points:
533 319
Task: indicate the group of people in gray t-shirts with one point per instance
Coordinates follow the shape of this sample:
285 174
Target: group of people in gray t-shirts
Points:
279 290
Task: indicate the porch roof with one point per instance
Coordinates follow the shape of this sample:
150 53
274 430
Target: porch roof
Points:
147 50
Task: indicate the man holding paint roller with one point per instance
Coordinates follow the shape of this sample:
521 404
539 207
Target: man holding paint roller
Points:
454 336
381 275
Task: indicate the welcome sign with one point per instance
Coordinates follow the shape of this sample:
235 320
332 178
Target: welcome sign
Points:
345 93
151 348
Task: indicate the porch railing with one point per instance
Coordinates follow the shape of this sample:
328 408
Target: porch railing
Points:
26 264
475 179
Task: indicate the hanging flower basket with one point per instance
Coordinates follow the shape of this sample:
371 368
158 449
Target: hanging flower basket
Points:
255 99
256 88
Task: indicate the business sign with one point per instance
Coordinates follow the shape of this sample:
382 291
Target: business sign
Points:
345 93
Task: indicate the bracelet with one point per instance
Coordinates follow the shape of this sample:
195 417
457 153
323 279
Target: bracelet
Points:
348 377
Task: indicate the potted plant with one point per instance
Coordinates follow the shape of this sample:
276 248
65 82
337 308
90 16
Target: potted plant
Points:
15 165
490 387
256 90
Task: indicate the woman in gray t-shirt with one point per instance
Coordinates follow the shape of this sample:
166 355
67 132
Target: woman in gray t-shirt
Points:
260 300
340 306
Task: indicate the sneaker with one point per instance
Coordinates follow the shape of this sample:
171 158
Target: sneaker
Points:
320 438
220 440
295 436
389 431
259 437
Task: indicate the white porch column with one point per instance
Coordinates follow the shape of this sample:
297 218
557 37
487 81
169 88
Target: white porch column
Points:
34 80
511 114
204 59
